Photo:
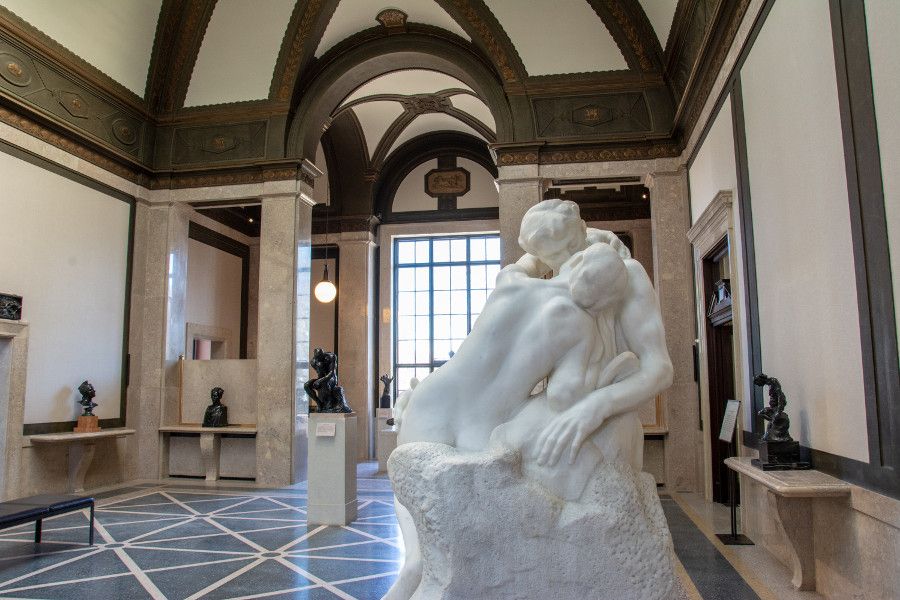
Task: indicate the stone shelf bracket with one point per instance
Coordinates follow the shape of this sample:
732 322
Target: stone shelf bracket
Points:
790 495
210 443
81 454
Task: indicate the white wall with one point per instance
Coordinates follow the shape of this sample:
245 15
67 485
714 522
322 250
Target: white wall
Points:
410 194
214 291
64 248
483 191
713 169
809 321
883 20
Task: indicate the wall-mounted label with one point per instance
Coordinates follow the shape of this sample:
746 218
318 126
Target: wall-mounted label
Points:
325 430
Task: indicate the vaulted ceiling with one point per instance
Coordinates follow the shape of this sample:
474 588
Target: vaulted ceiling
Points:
171 87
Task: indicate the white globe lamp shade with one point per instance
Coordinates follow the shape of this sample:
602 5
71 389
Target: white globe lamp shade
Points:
325 291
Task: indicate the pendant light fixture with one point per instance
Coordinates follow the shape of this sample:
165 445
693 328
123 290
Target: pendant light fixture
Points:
325 291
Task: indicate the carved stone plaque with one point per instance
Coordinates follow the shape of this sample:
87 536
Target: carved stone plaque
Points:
447 182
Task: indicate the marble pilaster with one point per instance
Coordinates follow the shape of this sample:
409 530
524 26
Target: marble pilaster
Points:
670 221
283 336
520 187
356 331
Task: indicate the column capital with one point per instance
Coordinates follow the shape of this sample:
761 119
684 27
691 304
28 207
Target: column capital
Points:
652 178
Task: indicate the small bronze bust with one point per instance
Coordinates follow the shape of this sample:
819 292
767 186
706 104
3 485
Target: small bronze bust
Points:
87 398
216 413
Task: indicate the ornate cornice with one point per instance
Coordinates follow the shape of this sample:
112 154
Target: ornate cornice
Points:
236 176
49 49
63 142
521 154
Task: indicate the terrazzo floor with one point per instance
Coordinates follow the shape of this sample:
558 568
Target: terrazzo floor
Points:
183 540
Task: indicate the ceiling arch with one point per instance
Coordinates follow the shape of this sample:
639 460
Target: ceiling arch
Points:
346 69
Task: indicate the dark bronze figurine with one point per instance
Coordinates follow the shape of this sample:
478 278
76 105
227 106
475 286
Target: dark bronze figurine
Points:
324 389
216 413
779 422
777 449
385 400
87 398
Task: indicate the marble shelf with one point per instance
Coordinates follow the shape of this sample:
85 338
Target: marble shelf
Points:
210 442
79 462
790 496
241 429
71 437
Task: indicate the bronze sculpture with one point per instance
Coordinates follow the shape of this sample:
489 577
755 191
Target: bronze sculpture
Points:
87 398
385 400
777 449
324 389
216 414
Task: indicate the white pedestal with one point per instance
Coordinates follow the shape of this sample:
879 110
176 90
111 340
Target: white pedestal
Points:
332 468
386 439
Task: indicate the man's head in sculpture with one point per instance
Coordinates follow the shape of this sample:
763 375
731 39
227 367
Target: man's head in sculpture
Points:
216 394
553 231
599 278
86 390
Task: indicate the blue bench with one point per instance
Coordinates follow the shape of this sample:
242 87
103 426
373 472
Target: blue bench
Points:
43 506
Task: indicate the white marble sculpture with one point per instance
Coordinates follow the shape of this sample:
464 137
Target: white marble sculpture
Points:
588 525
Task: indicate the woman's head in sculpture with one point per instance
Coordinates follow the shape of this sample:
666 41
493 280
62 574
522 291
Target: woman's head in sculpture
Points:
216 394
553 231
598 279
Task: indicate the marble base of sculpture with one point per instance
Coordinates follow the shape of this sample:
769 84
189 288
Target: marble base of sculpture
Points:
485 531
87 424
331 484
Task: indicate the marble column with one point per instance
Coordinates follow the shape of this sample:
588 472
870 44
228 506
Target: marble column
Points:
520 188
159 288
283 334
356 331
670 221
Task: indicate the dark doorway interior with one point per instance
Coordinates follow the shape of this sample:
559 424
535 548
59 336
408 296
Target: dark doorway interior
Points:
720 359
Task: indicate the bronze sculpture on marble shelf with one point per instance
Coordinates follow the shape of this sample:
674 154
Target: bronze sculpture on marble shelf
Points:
777 449
87 398
779 422
385 400
324 389
216 414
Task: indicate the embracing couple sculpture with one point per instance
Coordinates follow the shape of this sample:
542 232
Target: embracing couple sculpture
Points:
593 332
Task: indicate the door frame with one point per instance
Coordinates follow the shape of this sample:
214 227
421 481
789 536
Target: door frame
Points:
717 222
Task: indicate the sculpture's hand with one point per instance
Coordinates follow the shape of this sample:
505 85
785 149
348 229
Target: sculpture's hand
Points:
566 431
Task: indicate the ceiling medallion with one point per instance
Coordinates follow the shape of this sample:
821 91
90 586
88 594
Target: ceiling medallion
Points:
124 131
13 71
392 18
426 103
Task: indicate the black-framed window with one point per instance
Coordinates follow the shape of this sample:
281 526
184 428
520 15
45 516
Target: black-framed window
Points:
440 286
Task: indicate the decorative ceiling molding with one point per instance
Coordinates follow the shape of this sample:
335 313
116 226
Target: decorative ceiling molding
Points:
413 106
546 154
64 142
632 32
42 45
304 31
177 54
708 65
482 26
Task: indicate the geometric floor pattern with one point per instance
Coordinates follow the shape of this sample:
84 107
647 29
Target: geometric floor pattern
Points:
184 542
181 540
